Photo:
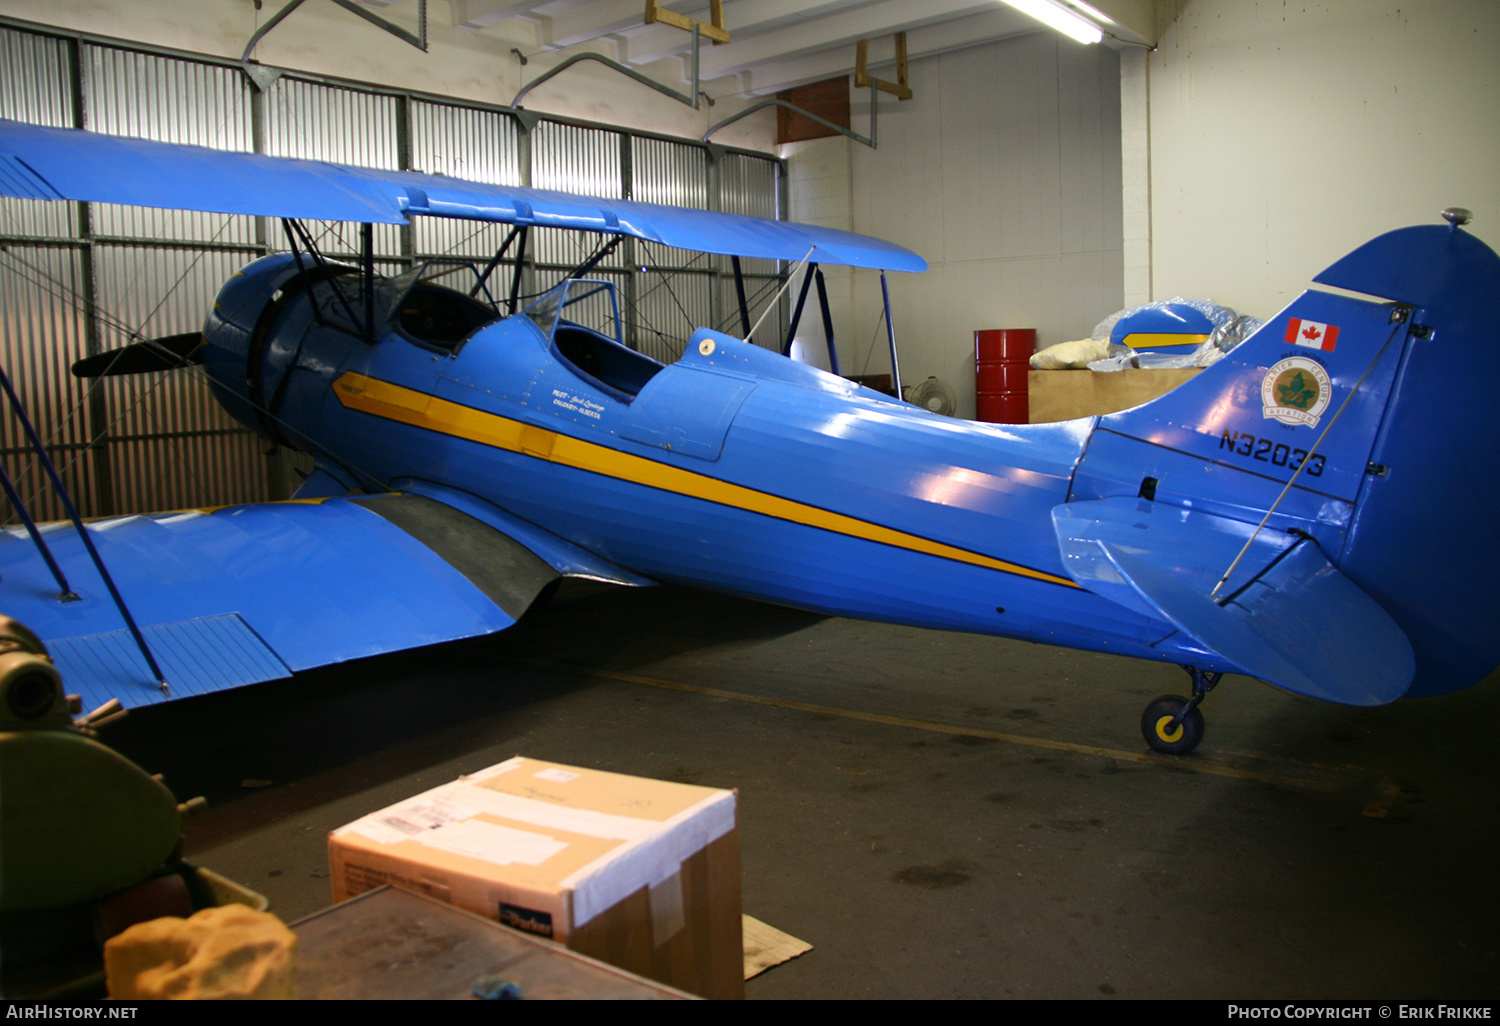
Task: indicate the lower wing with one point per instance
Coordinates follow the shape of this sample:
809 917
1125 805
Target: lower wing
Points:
250 593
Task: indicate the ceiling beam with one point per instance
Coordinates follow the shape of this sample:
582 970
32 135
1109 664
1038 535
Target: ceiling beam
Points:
928 41
477 14
587 22
781 43
840 33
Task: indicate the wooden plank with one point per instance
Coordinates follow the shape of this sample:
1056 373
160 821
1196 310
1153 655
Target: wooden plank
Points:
862 79
715 31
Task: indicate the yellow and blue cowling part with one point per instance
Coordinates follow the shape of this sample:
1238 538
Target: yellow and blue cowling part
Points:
1170 327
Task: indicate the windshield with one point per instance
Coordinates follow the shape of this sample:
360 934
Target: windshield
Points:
590 303
463 278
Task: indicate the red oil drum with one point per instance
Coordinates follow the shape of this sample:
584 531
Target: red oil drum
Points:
1001 377
1002 407
1001 359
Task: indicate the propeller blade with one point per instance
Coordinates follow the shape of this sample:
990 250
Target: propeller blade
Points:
157 354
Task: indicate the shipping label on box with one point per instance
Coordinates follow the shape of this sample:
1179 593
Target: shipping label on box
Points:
640 873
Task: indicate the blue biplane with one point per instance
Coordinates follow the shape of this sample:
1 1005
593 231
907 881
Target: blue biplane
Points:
1313 510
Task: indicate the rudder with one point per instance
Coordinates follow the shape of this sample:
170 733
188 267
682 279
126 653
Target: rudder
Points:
1425 539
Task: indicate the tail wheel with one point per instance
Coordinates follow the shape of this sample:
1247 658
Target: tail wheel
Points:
1172 724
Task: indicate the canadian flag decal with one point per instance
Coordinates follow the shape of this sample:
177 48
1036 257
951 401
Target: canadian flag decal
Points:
1311 334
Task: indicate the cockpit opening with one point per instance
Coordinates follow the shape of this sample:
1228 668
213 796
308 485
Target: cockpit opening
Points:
441 316
438 315
623 372
599 357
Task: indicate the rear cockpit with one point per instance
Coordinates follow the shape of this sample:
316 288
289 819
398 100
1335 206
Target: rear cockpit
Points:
599 357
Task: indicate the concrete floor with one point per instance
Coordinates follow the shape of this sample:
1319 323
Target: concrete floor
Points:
939 815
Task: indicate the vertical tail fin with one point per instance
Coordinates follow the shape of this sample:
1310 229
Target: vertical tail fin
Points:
1364 424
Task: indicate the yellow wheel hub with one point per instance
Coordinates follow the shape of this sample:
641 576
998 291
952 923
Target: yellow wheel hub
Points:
1161 730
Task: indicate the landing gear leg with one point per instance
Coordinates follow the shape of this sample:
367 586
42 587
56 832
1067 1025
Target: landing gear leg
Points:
1173 724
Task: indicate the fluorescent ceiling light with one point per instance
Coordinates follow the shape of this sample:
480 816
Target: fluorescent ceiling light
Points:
1060 18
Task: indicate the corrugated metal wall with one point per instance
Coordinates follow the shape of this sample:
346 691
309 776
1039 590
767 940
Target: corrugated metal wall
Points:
672 288
748 185
81 278
41 280
480 145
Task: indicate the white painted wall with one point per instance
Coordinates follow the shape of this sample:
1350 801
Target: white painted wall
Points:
323 39
1285 134
821 192
1003 172
1135 174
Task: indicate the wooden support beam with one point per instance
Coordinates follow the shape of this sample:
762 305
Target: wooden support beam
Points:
901 88
715 30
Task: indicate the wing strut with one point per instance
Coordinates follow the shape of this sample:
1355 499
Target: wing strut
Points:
489 268
515 278
65 591
296 229
367 274
593 261
791 331
833 353
739 291
62 494
890 333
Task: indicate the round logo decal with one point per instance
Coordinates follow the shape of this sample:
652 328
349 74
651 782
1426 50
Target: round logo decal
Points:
1296 391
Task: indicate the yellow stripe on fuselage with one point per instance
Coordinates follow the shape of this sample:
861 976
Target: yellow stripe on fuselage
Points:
208 510
395 402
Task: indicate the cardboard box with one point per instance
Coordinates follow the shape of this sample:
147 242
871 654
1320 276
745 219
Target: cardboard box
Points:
1068 394
642 874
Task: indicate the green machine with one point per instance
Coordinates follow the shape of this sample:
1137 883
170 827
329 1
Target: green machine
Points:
89 842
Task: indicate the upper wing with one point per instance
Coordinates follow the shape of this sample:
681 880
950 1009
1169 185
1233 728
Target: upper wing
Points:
249 593
1287 616
67 163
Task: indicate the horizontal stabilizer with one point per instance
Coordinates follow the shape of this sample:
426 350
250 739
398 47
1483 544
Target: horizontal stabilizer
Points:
1287 615
249 593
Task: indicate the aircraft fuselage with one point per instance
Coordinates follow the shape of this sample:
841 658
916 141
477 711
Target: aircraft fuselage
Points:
733 468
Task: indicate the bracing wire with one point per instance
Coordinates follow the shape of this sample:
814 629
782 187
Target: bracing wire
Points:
1310 454
61 291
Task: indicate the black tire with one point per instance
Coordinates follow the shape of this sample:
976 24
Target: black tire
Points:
1158 716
